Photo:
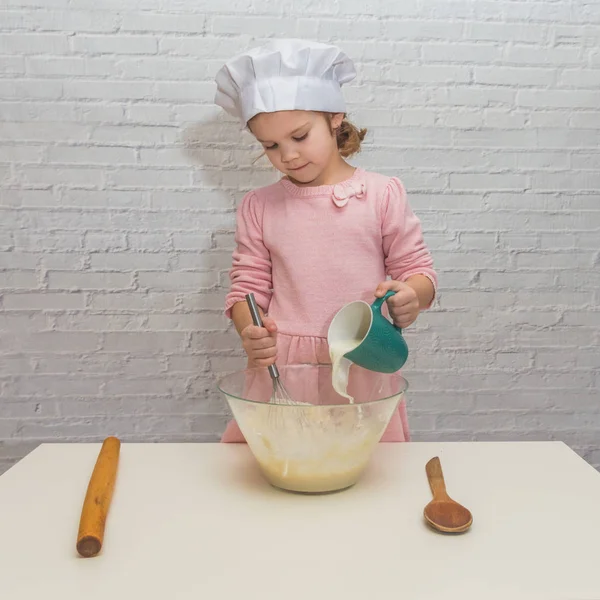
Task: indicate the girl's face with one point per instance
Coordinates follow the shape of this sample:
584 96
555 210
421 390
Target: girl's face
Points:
298 143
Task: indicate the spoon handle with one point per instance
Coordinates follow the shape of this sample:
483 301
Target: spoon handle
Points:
436 479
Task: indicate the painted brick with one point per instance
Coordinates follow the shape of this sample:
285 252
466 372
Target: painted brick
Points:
176 281
133 301
163 22
129 261
46 301
143 342
90 281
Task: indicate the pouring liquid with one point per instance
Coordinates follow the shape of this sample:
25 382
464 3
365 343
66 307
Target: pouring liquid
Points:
341 366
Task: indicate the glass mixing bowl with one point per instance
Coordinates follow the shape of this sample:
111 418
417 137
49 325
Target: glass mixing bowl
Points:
323 443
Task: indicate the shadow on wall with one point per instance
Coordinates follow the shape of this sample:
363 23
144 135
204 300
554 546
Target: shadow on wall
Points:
225 168
227 156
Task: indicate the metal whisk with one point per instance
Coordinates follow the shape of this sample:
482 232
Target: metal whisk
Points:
279 395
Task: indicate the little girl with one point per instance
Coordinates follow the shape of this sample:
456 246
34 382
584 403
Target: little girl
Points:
325 234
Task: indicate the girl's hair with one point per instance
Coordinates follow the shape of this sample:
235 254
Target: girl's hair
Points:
349 137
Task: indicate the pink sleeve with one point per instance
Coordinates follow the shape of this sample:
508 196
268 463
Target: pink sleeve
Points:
251 270
404 248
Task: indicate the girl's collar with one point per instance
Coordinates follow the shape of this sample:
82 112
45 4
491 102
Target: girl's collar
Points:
339 193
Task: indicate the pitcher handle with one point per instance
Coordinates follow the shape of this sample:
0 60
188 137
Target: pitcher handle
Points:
379 303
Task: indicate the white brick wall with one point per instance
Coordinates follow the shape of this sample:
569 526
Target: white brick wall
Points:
119 179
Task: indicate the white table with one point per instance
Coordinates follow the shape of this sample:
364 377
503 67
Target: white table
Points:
196 521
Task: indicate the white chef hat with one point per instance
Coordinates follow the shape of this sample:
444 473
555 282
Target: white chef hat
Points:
284 75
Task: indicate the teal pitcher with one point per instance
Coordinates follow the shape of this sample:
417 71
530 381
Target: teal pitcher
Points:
380 345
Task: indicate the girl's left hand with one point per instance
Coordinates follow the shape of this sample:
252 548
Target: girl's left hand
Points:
403 305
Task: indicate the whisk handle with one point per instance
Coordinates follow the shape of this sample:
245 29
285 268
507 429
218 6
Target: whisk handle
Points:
255 314
273 371
254 310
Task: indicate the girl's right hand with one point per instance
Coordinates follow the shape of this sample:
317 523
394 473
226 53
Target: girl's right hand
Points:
260 343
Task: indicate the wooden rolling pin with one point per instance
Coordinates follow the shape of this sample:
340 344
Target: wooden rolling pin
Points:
97 499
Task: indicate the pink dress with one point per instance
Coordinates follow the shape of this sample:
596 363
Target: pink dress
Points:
307 251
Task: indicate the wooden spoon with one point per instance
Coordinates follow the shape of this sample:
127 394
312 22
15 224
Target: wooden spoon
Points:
442 512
